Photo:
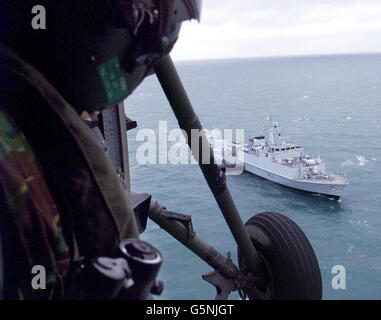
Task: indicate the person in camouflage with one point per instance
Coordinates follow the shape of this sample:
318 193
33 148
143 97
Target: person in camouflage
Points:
61 201
33 220
92 204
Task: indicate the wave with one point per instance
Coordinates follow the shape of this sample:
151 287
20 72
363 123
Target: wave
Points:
346 163
362 160
301 119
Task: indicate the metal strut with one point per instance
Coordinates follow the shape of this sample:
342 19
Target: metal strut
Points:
215 177
226 276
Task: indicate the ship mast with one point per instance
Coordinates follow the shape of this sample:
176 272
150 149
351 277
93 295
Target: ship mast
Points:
271 132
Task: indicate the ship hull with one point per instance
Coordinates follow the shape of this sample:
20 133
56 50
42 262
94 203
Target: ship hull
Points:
327 189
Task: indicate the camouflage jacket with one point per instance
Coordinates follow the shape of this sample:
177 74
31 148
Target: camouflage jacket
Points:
60 198
30 220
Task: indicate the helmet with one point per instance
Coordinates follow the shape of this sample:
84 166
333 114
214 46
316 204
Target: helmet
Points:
96 52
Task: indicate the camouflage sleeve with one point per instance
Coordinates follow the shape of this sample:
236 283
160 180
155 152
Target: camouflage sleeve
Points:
35 236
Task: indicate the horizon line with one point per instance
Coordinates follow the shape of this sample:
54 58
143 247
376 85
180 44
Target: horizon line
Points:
278 56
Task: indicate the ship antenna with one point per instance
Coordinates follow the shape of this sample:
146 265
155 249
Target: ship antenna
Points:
271 132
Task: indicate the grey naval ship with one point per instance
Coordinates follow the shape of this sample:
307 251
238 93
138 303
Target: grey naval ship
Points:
286 163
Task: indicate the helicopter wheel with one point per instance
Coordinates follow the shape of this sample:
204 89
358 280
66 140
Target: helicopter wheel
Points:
289 268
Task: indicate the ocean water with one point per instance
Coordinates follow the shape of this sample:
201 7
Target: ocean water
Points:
331 105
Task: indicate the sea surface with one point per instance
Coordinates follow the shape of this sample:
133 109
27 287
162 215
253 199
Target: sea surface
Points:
330 105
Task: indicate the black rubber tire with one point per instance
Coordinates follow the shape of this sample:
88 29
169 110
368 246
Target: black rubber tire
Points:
290 270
